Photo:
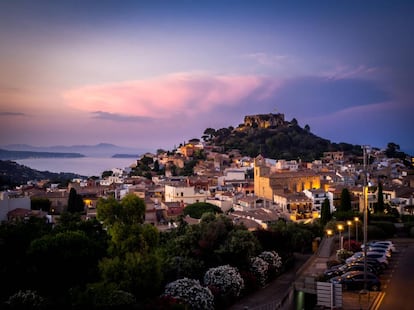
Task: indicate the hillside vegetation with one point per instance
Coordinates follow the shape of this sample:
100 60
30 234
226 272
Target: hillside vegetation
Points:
281 139
11 174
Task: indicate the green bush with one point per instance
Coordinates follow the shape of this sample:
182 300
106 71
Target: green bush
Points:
388 228
375 232
411 234
407 218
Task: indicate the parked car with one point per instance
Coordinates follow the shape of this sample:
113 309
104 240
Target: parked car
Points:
329 273
354 280
372 262
379 256
385 251
389 244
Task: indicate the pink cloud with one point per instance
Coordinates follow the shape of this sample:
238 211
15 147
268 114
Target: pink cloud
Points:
170 95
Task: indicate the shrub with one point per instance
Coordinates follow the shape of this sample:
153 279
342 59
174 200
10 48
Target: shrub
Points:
190 292
411 234
26 300
259 268
375 232
272 258
387 227
343 254
274 261
225 281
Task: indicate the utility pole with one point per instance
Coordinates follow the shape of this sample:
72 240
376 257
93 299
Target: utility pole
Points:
365 148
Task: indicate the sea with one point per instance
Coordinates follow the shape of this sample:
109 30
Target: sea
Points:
85 166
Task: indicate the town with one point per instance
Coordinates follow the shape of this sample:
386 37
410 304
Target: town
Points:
256 190
256 193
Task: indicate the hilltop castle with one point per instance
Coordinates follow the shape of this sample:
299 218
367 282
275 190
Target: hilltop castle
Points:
265 120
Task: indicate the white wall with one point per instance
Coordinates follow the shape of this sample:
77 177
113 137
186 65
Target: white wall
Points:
8 203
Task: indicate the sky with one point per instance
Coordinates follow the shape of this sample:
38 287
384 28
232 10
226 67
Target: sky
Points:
154 74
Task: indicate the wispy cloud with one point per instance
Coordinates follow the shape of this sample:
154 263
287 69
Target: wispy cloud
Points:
340 72
118 117
12 114
174 95
266 59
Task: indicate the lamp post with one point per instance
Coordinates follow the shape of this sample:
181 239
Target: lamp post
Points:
349 223
365 188
356 219
329 232
341 241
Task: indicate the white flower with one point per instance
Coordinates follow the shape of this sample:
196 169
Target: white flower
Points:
259 268
26 299
272 258
191 292
226 279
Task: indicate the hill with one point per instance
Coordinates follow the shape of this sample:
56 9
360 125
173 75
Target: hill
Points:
273 137
97 150
8 155
11 173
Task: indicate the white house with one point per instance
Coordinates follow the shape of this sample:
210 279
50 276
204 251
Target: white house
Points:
185 194
318 196
10 201
232 175
291 165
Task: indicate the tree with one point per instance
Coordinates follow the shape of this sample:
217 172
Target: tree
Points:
345 204
209 133
239 246
137 273
43 204
156 166
62 261
379 206
75 202
106 173
131 210
196 210
325 212
307 128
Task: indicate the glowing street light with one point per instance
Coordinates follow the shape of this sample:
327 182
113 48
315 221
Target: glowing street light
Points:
329 232
349 223
340 229
356 219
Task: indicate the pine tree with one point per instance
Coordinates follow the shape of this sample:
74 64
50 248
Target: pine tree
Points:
325 212
75 202
345 201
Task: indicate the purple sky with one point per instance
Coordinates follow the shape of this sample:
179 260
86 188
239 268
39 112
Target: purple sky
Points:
153 74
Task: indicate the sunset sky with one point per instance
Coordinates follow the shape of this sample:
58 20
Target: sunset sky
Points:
154 74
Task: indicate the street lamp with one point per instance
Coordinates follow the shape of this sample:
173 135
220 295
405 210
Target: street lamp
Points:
329 232
349 223
340 229
356 219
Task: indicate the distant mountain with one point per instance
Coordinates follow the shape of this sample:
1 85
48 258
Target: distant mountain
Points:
98 150
125 156
11 174
13 155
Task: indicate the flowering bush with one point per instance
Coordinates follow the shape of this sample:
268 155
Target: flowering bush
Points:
272 258
343 254
190 292
26 300
259 267
224 281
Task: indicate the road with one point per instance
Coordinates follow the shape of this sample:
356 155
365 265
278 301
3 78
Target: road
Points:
398 288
